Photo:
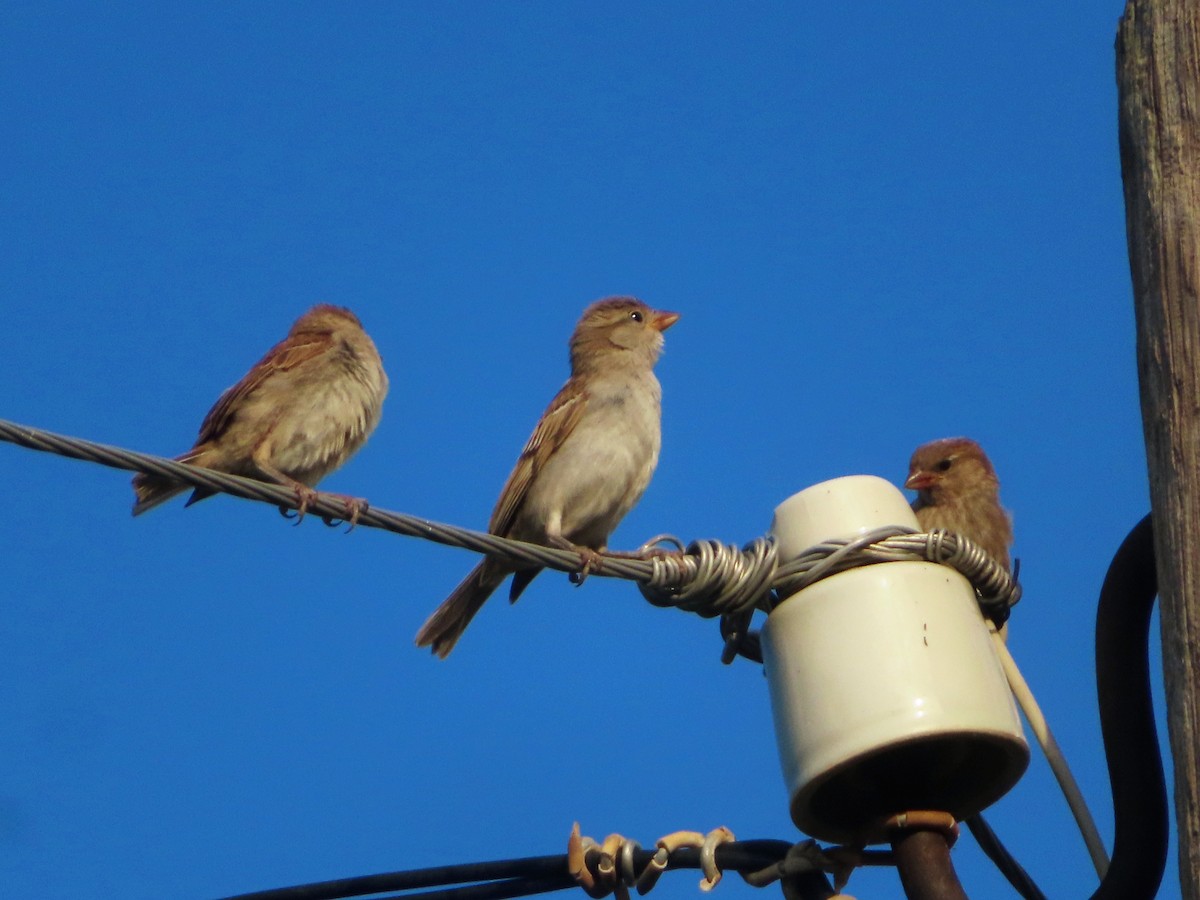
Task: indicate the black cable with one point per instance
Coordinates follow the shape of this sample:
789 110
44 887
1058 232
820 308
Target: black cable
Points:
493 890
527 867
513 877
1127 721
989 842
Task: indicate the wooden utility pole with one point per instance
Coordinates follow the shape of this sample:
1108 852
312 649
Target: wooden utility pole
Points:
1158 80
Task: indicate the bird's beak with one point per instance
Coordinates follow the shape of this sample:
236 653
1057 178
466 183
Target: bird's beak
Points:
662 320
919 481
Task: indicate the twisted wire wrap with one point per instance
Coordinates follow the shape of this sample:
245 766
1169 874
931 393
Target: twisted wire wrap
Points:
708 578
997 589
713 579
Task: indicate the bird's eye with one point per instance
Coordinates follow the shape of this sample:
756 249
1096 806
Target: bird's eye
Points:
636 315
944 465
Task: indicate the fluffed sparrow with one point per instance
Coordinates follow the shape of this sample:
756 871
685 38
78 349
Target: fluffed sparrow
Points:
587 463
297 415
957 490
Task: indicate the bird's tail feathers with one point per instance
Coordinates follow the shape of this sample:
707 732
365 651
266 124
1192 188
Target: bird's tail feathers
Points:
154 490
442 630
521 581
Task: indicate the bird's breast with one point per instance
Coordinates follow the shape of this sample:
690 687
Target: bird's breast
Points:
602 468
327 419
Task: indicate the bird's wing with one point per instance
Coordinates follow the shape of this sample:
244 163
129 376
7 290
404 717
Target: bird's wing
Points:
556 424
285 355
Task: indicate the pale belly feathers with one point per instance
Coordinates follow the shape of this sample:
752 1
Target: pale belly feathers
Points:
599 472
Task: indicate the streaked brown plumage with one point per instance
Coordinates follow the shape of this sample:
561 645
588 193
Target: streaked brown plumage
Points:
587 463
957 490
297 415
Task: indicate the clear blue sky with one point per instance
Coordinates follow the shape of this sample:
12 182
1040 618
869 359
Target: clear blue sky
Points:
882 223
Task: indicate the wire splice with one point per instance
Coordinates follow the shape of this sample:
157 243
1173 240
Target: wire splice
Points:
926 820
611 867
807 859
710 578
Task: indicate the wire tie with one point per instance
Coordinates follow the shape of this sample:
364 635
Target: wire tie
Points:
800 859
734 628
654 869
625 861
577 849
708 856
842 861
676 839
651 545
607 865
925 820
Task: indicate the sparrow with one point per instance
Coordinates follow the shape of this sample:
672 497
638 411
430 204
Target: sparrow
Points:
587 462
957 490
297 415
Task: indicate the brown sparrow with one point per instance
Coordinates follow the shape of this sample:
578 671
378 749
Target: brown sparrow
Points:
587 463
300 413
957 490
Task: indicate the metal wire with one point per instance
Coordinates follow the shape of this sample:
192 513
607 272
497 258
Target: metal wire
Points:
708 578
990 843
325 505
1054 756
711 578
997 589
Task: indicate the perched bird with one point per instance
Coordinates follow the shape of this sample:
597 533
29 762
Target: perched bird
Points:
297 415
957 490
587 463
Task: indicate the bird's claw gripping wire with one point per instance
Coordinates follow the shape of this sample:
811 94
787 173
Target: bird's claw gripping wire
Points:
304 499
593 561
589 561
354 507
609 867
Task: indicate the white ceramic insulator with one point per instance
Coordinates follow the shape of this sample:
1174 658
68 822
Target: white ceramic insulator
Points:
885 688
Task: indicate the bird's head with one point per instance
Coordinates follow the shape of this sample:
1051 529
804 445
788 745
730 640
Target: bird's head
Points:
621 327
950 467
325 317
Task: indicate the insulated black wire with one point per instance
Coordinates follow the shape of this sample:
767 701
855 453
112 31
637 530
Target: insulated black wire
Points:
1135 770
530 867
503 879
995 850
493 890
